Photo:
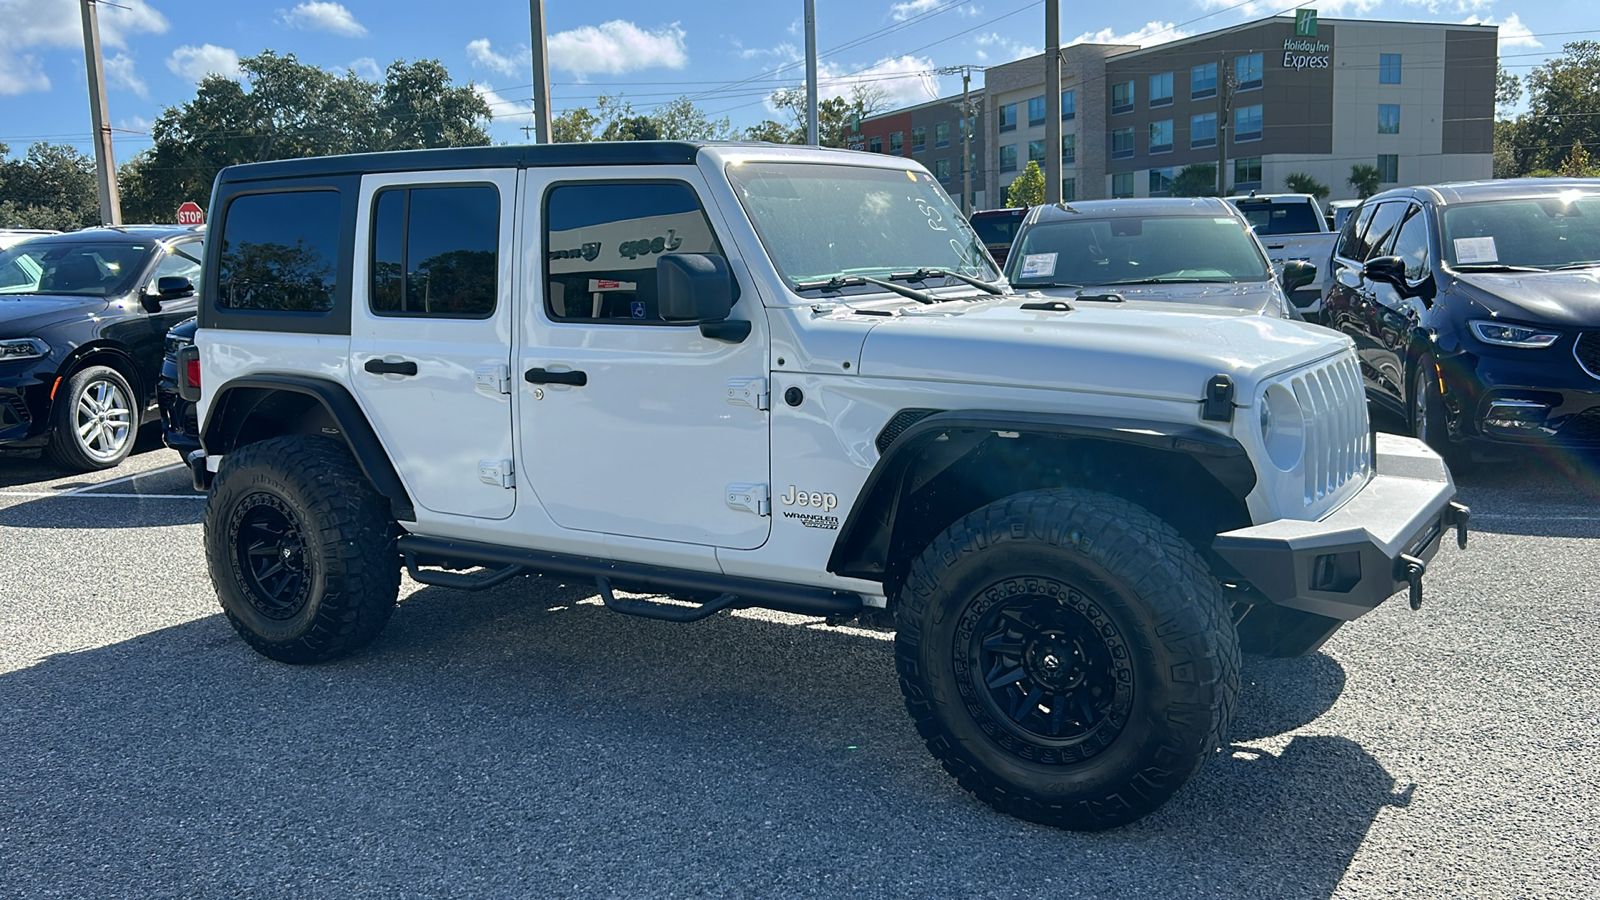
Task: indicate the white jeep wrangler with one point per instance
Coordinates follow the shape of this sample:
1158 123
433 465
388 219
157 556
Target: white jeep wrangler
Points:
760 376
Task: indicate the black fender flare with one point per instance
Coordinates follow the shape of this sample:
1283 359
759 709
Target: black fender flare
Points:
235 400
936 441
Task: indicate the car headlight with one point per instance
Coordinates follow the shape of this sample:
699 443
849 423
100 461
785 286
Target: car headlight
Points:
22 348
1507 335
1283 428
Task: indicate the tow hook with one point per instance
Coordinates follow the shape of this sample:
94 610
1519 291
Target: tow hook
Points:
1459 516
1411 569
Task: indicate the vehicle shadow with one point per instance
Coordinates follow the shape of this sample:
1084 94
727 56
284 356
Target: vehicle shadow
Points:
20 470
78 511
524 742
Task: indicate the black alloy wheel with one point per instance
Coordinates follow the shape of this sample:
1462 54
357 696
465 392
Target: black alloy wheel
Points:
269 557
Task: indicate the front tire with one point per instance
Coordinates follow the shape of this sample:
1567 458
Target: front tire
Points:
1428 416
95 420
301 549
1067 657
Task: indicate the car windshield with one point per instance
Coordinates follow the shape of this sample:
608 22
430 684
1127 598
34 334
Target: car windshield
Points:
1555 232
84 269
996 230
1135 249
820 222
1267 217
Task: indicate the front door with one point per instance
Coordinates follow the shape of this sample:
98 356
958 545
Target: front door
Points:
632 425
430 333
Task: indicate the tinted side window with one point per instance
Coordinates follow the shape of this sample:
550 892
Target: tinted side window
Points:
1350 238
183 260
435 252
602 241
1411 244
280 252
1385 222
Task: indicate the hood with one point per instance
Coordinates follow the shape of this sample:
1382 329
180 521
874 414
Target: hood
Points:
1556 298
1144 350
22 315
1251 296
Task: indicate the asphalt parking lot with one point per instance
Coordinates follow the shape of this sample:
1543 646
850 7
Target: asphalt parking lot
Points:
527 742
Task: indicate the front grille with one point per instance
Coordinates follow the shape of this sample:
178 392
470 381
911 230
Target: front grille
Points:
902 420
13 412
1333 403
1588 352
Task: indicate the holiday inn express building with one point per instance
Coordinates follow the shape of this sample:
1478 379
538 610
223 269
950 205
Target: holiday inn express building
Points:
1265 99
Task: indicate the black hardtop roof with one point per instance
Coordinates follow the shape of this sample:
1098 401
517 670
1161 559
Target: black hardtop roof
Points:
598 153
1152 206
1498 189
118 234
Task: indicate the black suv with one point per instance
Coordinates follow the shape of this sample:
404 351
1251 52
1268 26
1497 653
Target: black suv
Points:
83 317
1475 309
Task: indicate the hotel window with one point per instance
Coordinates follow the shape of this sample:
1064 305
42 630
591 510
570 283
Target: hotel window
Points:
1122 97
941 135
875 145
1203 81
1008 158
1203 131
1069 105
1247 72
1036 151
1247 173
919 139
1388 118
941 168
897 143
1388 68
1247 124
1160 181
1122 143
1388 168
1069 148
1161 89
1122 185
1008 117
1036 111
1069 189
1161 136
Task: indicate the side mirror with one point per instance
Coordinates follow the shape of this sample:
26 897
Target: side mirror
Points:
174 287
1387 269
699 287
1297 273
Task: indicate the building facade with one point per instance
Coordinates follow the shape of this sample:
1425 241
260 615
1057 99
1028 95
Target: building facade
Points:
1262 101
930 133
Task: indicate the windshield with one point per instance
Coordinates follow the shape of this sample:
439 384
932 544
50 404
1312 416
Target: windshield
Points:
995 229
79 269
1559 231
1133 249
819 222
1281 218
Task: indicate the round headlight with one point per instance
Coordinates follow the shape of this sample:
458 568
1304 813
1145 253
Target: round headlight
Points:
1283 429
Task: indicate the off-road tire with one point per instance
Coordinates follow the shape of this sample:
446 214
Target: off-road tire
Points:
66 448
1167 645
340 574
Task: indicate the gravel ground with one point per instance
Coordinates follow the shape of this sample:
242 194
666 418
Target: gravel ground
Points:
527 742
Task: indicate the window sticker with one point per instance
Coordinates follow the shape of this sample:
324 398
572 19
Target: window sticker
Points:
1038 265
1476 250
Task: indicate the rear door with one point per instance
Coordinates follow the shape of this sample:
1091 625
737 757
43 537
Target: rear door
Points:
430 332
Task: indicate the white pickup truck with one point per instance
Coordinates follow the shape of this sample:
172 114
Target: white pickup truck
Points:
1292 226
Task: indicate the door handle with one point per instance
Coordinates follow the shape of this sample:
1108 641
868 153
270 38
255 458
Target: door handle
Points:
541 376
384 367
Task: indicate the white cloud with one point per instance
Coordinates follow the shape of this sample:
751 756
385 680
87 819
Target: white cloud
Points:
1005 50
903 11
30 24
1512 32
367 68
1151 33
195 63
480 53
322 16
784 51
135 123
616 47
903 80
120 72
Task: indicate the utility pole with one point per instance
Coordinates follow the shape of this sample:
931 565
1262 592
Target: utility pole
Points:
1052 101
966 140
541 73
1224 102
812 137
105 165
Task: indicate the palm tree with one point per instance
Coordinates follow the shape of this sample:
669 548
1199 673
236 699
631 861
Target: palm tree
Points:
1301 183
1364 178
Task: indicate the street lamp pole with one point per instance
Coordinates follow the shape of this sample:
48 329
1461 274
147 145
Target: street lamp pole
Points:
541 73
1052 101
812 137
104 164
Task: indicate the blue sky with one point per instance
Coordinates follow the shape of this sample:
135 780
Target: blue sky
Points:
728 56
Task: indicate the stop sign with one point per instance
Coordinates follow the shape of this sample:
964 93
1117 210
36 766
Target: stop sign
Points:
190 213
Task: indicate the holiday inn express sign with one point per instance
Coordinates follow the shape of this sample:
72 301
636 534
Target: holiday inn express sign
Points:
1304 51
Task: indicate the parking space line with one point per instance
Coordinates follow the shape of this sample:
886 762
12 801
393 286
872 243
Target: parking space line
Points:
81 496
1516 518
104 484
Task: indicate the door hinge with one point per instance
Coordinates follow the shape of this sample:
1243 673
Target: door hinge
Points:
494 378
751 392
750 498
497 472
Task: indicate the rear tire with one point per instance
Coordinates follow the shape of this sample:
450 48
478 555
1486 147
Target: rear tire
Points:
301 549
95 420
1067 657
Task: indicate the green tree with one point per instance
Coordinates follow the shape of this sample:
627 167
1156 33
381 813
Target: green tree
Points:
1578 164
1364 177
836 116
574 126
283 109
51 186
1301 183
1028 188
1563 109
1196 180
633 128
1507 89
681 120
774 132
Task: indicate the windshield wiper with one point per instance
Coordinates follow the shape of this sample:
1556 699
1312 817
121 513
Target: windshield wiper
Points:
1586 264
1046 284
1171 279
1496 267
840 281
925 274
